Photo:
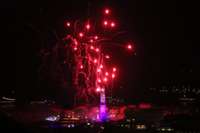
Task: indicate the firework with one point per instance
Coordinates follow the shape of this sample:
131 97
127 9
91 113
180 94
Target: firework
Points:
84 58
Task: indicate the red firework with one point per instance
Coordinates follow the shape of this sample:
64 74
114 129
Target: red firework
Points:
85 56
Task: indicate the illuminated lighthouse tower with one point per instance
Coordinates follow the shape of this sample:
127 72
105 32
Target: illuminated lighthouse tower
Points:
102 108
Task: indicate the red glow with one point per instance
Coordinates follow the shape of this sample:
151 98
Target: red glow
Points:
102 89
101 66
98 89
107 57
75 42
114 69
68 24
107 11
105 23
97 49
145 106
95 60
112 24
113 76
98 70
105 79
95 37
75 48
91 40
106 73
80 34
92 47
81 66
99 80
87 26
129 47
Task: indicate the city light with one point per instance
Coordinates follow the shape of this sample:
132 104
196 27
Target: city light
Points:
52 118
140 127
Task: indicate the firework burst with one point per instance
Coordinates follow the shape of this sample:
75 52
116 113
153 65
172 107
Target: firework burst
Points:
82 51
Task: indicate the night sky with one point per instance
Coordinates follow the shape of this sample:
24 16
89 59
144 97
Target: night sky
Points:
164 32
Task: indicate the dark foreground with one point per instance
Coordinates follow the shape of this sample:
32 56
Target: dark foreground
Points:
41 118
